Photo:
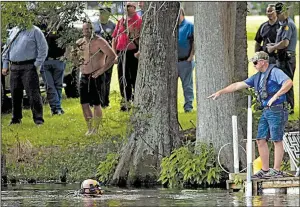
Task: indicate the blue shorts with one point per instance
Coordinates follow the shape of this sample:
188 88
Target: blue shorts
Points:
272 123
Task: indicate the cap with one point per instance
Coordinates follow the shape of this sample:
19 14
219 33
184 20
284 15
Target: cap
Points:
259 56
280 7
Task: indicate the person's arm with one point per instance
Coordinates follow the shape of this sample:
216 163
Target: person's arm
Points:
229 89
285 81
257 47
110 57
284 43
258 39
5 61
42 47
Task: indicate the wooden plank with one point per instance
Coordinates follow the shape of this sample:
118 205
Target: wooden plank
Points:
240 175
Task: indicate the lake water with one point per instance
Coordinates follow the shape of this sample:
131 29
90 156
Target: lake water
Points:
51 195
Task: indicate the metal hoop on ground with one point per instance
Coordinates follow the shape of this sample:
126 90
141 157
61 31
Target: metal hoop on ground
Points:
220 153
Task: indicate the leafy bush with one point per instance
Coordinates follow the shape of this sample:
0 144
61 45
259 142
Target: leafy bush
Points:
106 168
185 166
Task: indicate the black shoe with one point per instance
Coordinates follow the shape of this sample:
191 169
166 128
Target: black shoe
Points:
18 121
39 122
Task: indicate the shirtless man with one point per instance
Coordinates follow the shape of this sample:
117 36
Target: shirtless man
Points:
96 56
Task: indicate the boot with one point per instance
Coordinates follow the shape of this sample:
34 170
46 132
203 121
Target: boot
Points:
89 123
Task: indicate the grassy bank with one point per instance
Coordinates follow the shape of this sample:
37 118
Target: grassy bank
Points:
43 152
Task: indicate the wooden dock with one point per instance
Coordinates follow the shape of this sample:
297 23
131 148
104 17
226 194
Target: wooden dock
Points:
285 185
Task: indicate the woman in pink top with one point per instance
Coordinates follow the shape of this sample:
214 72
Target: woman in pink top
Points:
126 43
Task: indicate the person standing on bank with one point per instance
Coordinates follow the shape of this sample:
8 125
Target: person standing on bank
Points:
285 47
53 70
97 57
105 27
185 63
271 85
267 33
126 44
24 57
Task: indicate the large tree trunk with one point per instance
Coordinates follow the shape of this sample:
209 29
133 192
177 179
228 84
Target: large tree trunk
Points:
215 24
154 121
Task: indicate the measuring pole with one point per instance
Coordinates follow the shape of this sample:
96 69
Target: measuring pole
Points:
249 149
235 144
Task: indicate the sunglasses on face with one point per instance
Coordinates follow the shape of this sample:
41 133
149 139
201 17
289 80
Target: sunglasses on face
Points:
255 63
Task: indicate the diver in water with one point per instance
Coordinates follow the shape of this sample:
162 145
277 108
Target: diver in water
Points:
91 187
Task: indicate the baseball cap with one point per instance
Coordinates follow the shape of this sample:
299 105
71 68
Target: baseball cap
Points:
280 7
259 56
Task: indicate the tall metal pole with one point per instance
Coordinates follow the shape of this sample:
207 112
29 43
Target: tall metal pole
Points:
235 143
249 149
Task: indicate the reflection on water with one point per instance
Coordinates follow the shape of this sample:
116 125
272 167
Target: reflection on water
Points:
51 195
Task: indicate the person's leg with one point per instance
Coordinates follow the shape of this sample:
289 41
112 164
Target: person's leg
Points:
47 72
85 103
32 87
277 118
185 72
121 78
288 67
97 118
133 64
108 75
263 134
58 76
16 86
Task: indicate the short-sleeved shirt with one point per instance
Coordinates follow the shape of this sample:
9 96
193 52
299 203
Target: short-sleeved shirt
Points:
288 31
267 34
185 38
275 81
105 30
120 32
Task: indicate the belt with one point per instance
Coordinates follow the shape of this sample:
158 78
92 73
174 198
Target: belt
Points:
183 59
26 62
50 58
282 105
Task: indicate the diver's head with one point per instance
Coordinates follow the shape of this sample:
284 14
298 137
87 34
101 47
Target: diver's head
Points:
90 187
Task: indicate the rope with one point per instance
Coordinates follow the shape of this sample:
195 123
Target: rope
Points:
219 158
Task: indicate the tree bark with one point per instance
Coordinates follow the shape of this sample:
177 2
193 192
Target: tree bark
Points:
154 122
215 24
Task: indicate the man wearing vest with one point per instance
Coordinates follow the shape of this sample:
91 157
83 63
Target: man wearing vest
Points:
267 33
285 47
271 85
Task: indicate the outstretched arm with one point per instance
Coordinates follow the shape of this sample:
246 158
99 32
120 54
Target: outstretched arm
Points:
229 89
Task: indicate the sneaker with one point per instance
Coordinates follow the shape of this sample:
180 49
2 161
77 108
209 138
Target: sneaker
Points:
274 174
39 122
259 175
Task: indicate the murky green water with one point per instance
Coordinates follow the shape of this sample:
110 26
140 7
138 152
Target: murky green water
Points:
51 195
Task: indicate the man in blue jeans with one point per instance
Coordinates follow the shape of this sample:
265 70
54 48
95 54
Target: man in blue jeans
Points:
53 71
185 63
271 85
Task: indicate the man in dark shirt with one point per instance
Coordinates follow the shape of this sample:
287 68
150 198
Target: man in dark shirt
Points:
53 70
267 33
105 27
285 47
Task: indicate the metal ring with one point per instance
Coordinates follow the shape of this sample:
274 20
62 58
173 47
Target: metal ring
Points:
219 158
